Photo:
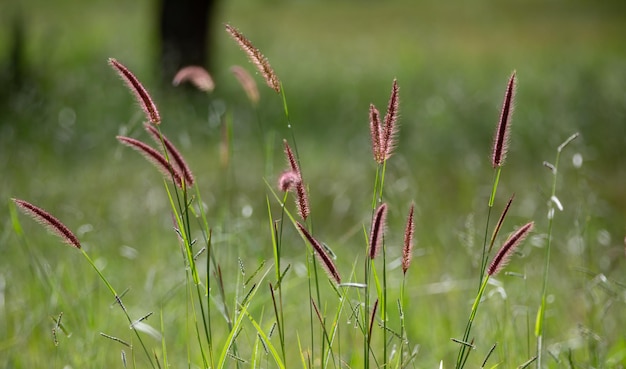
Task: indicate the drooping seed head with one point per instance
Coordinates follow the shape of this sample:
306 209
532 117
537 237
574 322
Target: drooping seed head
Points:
155 157
501 140
50 222
504 254
197 75
179 160
326 261
256 58
377 231
409 233
141 94
247 83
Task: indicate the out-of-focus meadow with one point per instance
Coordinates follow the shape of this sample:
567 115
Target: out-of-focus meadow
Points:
452 61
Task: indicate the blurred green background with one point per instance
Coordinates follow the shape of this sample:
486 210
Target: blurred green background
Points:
452 61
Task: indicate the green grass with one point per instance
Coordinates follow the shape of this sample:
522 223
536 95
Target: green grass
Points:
334 59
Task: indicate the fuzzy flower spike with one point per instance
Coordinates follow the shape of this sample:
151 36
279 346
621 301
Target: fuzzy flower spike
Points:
255 56
141 94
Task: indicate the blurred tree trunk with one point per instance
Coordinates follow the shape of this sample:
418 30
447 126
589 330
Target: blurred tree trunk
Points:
185 34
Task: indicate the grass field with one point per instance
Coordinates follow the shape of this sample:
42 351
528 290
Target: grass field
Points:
58 150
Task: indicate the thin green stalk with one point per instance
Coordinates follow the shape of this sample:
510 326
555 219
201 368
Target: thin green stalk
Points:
383 310
539 326
486 250
401 312
464 349
119 301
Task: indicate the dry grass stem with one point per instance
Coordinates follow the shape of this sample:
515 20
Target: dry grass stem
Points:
49 221
390 126
197 75
173 152
141 94
504 254
326 261
256 58
247 83
409 233
155 158
501 140
376 233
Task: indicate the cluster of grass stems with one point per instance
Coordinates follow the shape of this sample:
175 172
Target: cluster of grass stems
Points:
360 295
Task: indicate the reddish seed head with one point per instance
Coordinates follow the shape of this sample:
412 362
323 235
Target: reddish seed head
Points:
504 254
155 158
375 129
256 58
141 94
408 240
501 140
390 128
179 160
288 180
326 261
53 224
302 198
247 83
197 75
378 228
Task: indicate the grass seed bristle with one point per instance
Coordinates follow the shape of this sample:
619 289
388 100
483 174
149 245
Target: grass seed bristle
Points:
49 221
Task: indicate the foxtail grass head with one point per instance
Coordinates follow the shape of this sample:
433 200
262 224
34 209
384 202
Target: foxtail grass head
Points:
197 76
501 139
505 252
255 56
377 231
409 234
141 94
50 222
302 198
383 134
173 153
247 83
156 158
325 259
